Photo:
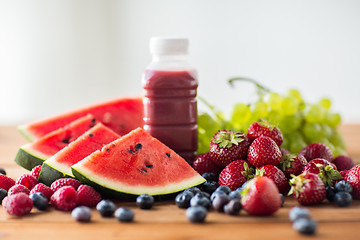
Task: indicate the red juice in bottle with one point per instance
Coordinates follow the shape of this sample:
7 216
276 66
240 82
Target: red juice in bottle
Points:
170 105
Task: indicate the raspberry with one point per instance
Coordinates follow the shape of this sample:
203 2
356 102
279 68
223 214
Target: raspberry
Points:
88 196
36 171
27 180
18 204
64 198
343 162
65 182
6 182
17 188
45 190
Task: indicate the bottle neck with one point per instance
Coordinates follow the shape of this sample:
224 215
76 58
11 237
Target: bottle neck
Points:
170 58
170 62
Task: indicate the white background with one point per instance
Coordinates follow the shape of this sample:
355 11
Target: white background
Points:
63 54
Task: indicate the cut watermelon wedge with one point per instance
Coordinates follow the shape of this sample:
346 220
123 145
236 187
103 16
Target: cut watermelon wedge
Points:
35 153
121 115
59 165
136 164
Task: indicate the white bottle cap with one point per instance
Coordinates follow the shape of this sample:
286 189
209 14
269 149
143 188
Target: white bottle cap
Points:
169 45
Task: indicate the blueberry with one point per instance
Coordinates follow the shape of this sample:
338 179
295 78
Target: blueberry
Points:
2 171
219 202
3 194
233 207
39 200
194 190
234 195
210 186
124 214
343 199
211 177
196 214
81 214
145 201
305 226
215 194
330 193
106 208
182 200
298 212
282 199
343 186
224 188
200 200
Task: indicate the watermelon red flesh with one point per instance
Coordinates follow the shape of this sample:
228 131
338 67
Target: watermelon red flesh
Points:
136 164
121 115
33 154
93 139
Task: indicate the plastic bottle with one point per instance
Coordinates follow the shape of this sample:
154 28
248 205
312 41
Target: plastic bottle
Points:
170 88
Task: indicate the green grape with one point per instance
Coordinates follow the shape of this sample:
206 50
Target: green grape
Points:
295 93
326 130
311 130
289 105
274 117
207 127
274 101
325 103
240 115
314 113
260 108
290 123
333 119
339 151
296 142
337 139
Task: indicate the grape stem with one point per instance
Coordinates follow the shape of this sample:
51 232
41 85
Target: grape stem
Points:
260 88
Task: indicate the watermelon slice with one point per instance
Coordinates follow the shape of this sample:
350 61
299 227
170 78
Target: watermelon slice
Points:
35 153
135 164
121 115
59 165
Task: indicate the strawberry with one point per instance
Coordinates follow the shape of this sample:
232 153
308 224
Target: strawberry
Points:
64 198
343 173
307 188
27 180
276 175
292 164
204 164
326 170
6 182
258 129
263 151
343 162
17 188
353 177
260 196
36 171
236 174
65 182
227 146
317 150
87 196
284 151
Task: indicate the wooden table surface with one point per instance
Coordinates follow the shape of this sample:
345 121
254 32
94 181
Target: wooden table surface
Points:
166 221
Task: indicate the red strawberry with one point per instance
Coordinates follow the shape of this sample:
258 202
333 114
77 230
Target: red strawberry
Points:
18 204
308 188
227 146
27 180
236 174
258 129
326 170
263 151
36 171
45 190
284 151
260 196
292 164
204 164
65 182
88 196
17 188
6 182
64 198
353 177
343 162
317 150
344 173
276 175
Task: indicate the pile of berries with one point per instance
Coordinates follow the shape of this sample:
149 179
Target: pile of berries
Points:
235 158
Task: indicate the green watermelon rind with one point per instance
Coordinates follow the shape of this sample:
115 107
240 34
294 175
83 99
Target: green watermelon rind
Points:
29 158
48 174
108 189
28 136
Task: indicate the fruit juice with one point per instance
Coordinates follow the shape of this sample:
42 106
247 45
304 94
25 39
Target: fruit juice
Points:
170 109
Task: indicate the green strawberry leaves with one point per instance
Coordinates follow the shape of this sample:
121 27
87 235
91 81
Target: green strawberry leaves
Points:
227 139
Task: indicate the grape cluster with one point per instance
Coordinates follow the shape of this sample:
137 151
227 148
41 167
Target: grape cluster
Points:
301 122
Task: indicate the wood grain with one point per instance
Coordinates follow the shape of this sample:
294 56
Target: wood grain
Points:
166 221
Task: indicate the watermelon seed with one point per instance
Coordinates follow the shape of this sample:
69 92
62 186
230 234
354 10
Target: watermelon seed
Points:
91 135
143 170
149 166
108 149
67 140
93 120
138 146
131 151
167 154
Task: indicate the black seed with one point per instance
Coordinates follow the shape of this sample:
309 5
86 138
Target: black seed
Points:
143 170
91 135
91 125
65 141
108 149
167 154
149 166
138 146
93 120
131 151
